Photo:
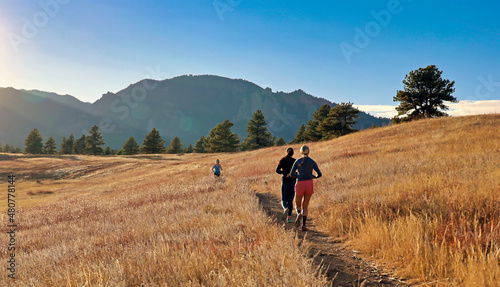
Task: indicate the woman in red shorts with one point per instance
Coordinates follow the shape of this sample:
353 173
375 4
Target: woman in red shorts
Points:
304 188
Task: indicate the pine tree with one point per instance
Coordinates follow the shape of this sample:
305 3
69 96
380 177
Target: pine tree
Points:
50 146
79 145
17 150
299 136
257 134
1 149
7 148
280 142
107 151
94 141
199 146
130 147
33 143
424 94
189 149
312 132
63 145
340 121
67 145
153 143
175 146
221 139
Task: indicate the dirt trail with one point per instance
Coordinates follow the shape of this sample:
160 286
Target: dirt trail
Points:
342 265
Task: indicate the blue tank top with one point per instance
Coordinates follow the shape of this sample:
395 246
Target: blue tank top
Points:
217 169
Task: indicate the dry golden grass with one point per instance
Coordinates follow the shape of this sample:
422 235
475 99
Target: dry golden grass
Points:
133 221
421 198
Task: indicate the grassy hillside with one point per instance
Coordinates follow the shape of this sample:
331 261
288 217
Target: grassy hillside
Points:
423 198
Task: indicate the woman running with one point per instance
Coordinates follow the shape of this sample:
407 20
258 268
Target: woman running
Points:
287 184
304 188
217 168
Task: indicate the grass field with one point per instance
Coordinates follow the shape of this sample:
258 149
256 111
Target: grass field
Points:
421 198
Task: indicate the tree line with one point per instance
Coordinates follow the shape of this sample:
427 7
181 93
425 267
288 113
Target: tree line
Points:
327 122
424 96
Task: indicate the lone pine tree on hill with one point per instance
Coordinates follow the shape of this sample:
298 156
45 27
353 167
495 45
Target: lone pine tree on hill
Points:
221 139
130 147
153 143
33 143
424 95
50 146
258 135
94 141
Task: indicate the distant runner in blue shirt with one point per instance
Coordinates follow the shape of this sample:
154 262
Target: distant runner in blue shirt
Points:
304 188
217 168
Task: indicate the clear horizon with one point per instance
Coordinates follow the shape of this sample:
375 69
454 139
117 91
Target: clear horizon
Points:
342 51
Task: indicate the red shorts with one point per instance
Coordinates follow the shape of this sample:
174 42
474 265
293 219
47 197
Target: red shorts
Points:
305 187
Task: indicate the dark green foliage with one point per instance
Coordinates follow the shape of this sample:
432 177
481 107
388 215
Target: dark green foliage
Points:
6 148
130 147
280 142
33 143
199 146
221 139
79 145
108 151
17 150
175 146
340 121
189 149
67 145
94 141
424 94
1 149
50 146
311 131
299 137
257 134
153 143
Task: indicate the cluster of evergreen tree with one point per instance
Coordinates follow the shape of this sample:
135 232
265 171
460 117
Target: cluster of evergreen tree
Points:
222 139
90 144
328 122
10 149
219 139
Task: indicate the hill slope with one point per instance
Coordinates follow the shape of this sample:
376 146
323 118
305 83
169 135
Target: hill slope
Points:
185 106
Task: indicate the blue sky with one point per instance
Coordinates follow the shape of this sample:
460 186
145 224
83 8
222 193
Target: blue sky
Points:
87 48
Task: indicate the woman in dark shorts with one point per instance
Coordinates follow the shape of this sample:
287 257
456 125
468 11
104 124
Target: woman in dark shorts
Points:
287 184
217 168
304 188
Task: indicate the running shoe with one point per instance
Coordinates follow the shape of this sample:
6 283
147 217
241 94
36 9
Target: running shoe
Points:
289 219
298 221
285 214
304 228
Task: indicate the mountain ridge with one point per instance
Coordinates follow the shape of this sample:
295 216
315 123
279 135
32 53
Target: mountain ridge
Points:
188 106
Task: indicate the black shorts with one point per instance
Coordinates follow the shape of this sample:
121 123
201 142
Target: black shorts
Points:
217 174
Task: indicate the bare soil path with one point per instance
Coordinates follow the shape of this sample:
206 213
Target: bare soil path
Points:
342 266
